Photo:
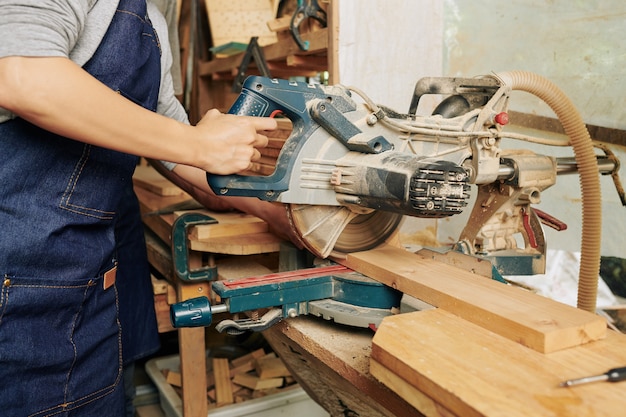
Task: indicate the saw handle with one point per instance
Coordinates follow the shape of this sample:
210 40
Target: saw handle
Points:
264 97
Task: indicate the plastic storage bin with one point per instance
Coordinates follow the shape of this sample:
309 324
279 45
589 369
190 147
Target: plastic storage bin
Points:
290 402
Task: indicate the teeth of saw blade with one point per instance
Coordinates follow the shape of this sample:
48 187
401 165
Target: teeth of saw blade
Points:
325 229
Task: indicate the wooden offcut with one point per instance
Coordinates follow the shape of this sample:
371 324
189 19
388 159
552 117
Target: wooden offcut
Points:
223 387
537 322
255 383
446 366
271 366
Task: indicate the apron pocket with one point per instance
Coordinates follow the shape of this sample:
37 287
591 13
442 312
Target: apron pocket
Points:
59 344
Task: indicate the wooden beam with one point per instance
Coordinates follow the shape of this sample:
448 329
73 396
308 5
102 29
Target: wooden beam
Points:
331 363
519 315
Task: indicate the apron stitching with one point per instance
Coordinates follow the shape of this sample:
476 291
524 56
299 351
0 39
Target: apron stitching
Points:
71 187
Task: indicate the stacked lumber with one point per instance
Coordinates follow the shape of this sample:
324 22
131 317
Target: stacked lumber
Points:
232 381
488 349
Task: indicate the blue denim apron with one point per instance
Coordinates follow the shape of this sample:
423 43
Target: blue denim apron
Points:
60 338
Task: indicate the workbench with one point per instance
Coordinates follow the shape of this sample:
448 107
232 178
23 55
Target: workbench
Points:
433 363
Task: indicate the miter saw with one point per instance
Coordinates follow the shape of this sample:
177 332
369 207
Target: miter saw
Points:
351 169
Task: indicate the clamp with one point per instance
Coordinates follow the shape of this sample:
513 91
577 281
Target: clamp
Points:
304 11
180 251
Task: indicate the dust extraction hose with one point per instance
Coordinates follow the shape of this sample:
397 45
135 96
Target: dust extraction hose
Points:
587 163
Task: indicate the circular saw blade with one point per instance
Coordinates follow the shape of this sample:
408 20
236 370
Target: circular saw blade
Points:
325 229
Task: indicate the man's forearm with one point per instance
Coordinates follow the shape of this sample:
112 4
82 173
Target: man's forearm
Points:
59 96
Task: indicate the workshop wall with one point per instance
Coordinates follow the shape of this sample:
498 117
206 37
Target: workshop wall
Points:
384 47
579 45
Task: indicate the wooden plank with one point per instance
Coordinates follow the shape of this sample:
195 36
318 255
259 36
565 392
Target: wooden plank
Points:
271 367
149 202
149 179
159 256
519 315
159 286
162 309
228 224
255 383
444 365
280 24
192 349
223 386
237 268
239 245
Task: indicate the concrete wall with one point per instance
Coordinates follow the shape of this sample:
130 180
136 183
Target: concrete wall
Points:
577 44
385 46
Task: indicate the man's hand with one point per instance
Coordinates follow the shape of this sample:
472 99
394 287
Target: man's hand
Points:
233 140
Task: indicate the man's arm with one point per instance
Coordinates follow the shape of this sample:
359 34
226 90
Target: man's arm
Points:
56 94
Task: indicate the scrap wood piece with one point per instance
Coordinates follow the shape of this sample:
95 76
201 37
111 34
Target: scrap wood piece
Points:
223 387
174 378
236 390
247 357
255 383
271 367
242 369
529 319
280 24
446 366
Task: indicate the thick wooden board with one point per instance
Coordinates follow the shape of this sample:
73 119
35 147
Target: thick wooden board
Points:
239 245
228 224
519 315
331 363
444 365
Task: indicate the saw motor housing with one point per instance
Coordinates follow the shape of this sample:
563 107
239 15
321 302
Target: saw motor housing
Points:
346 161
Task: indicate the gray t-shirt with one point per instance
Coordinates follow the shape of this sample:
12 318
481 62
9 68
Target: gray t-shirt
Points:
74 29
